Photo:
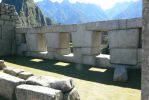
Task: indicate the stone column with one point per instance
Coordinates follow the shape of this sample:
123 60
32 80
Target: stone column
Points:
57 44
145 65
86 45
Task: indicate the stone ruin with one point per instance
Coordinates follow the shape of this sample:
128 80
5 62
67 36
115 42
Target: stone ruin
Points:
17 84
53 42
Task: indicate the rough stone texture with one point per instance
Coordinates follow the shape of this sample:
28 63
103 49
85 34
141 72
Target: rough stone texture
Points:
145 64
25 75
8 22
12 71
115 24
2 64
123 38
30 92
72 95
41 80
103 60
8 84
36 42
124 56
120 74
64 85
86 41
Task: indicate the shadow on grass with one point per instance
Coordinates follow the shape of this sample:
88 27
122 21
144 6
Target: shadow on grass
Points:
77 71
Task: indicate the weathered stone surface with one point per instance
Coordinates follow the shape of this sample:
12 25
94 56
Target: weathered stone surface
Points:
40 80
145 55
124 56
103 60
2 64
64 85
120 74
30 92
13 71
8 84
36 42
25 75
124 38
89 60
72 95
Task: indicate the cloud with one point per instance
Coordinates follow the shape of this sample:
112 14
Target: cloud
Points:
104 4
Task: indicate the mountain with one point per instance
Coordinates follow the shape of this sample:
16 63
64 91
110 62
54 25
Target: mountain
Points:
125 10
29 12
134 10
71 13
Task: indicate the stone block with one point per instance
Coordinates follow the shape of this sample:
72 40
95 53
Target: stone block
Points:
124 38
67 58
89 60
25 75
41 80
120 74
12 71
36 42
77 55
30 92
64 85
63 51
124 56
2 64
72 95
5 47
134 23
64 40
8 85
103 60
90 51
139 55
52 40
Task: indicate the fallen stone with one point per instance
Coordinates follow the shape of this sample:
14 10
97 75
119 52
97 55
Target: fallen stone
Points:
8 84
2 64
31 92
120 74
41 80
25 75
64 85
13 71
72 95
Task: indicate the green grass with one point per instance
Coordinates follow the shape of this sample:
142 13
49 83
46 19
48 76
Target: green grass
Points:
92 83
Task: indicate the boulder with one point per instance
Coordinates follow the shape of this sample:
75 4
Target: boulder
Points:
41 80
31 92
8 84
25 75
13 71
72 95
120 74
2 64
64 85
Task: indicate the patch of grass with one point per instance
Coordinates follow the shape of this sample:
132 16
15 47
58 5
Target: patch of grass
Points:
92 83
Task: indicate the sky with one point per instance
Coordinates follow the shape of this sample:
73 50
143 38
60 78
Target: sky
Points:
104 4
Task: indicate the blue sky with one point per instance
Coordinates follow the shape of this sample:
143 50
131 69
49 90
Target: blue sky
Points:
104 4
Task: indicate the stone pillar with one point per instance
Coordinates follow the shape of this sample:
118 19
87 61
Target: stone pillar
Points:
86 44
57 43
124 46
145 65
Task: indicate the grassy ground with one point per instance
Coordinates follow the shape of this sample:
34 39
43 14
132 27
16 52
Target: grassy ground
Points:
92 83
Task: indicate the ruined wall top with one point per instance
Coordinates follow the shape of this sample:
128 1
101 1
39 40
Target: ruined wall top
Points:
8 12
93 26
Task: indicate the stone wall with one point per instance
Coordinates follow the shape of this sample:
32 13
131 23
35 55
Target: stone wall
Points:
145 64
53 42
8 22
